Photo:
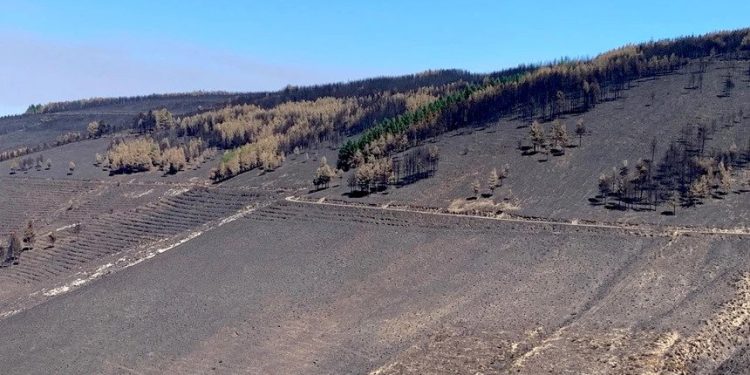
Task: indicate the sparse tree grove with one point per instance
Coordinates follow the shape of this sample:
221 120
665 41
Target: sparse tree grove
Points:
143 154
687 174
375 174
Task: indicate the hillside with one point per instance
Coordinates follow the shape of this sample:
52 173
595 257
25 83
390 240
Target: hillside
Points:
580 216
561 186
44 123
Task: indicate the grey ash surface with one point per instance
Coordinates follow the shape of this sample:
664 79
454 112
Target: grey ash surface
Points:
308 289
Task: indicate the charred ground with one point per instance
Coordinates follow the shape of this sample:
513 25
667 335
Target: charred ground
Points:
255 269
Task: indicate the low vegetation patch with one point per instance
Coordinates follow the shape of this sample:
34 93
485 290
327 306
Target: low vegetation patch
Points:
482 206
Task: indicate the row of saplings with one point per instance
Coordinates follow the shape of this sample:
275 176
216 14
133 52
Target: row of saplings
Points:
27 163
38 163
494 181
10 252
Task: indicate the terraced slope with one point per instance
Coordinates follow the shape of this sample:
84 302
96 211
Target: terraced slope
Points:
126 229
320 289
26 199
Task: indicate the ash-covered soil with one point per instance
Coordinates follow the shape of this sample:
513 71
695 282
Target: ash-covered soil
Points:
301 288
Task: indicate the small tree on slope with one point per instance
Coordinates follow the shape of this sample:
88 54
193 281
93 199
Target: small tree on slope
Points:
536 132
28 235
324 174
493 180
580 130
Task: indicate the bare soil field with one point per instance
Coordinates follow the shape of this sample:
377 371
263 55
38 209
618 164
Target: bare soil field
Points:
302 288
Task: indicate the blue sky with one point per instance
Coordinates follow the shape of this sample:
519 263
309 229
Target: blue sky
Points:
61 50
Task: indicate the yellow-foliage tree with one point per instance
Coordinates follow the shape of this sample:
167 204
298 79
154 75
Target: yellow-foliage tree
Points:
136 155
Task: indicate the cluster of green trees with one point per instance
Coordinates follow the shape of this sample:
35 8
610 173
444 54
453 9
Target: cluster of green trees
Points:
554 141
412 121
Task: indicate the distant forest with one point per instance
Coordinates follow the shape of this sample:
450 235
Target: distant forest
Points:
365 87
